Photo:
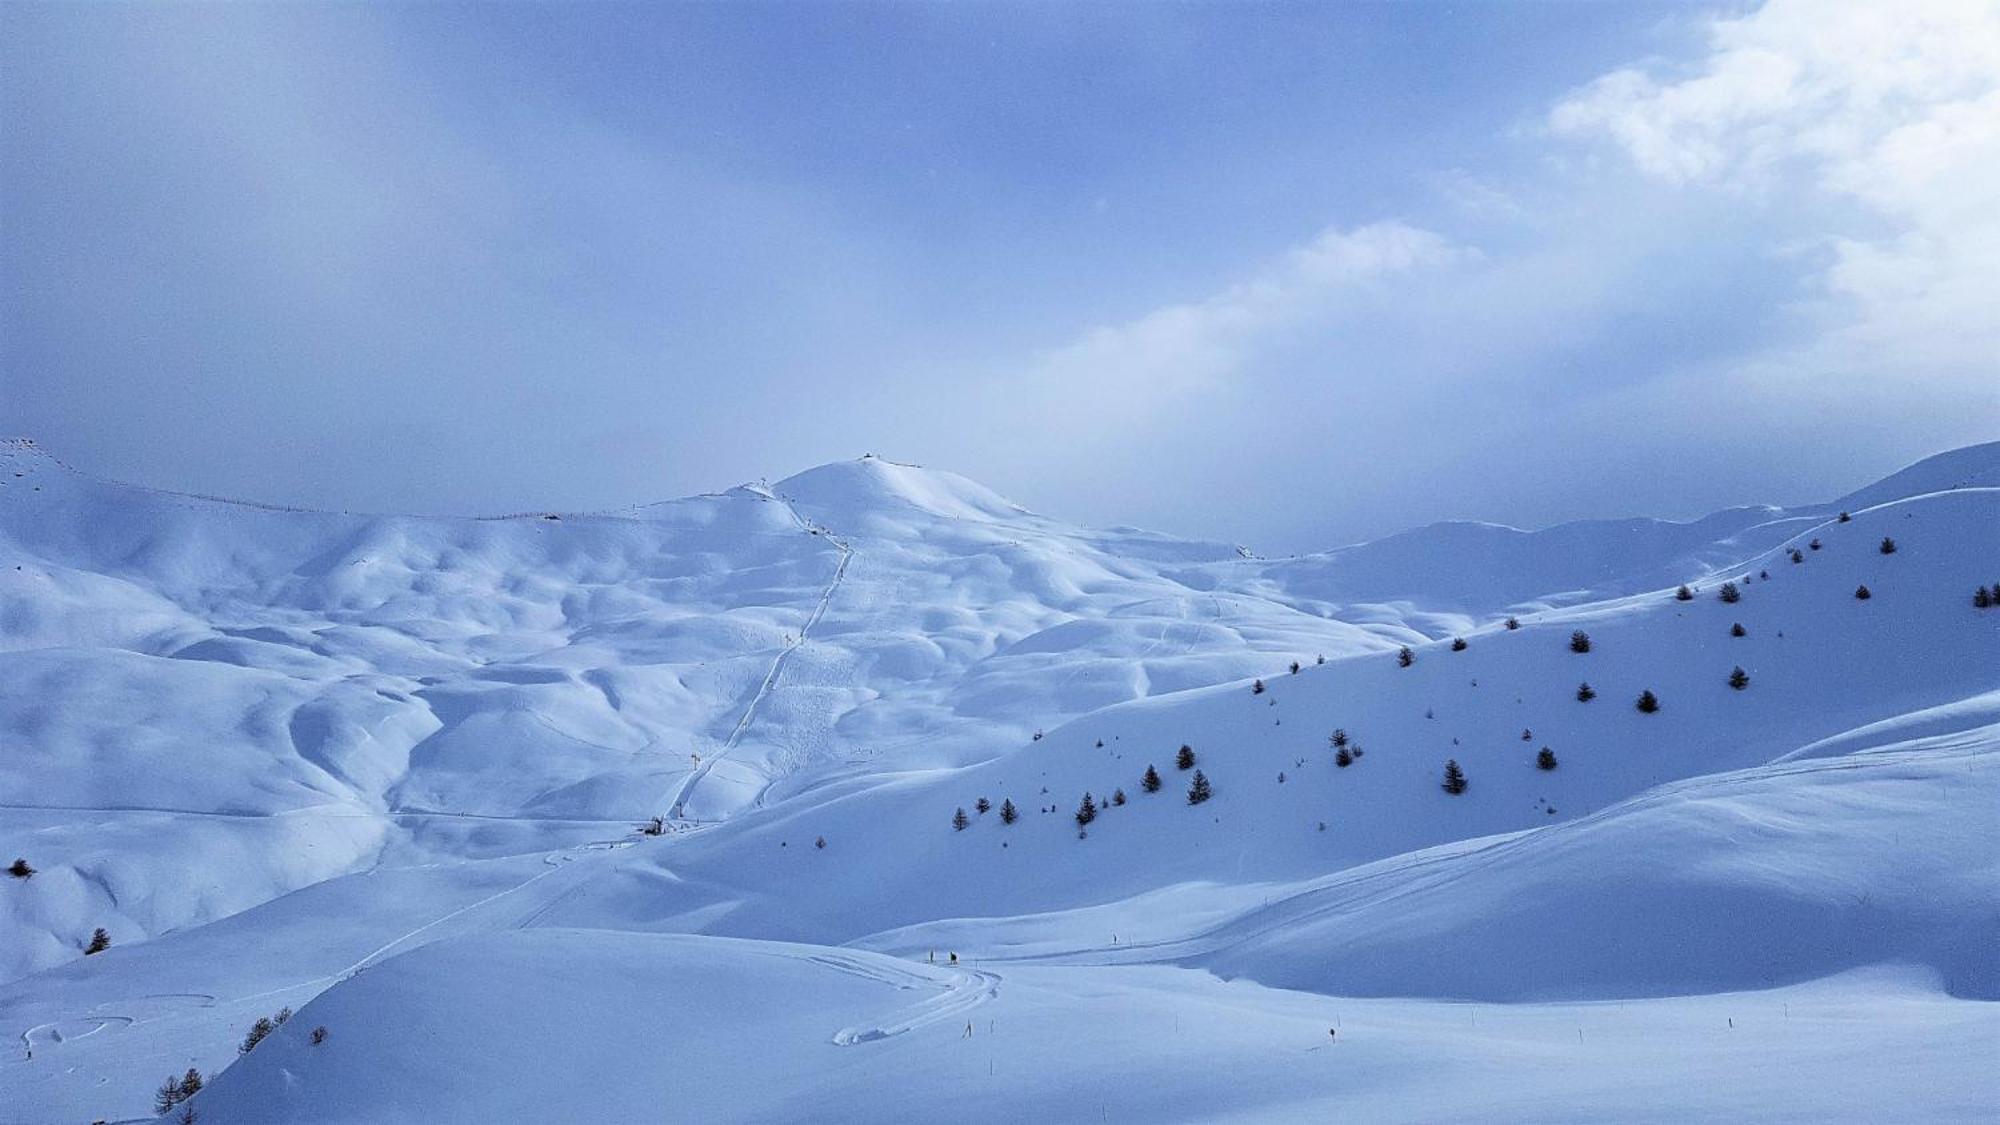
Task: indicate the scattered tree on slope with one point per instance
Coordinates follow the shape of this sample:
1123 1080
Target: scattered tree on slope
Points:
1008 813
1198 791
1151 782
1648 702
1454 778
1739 679
19 869
1185 759
1546 760
1579 641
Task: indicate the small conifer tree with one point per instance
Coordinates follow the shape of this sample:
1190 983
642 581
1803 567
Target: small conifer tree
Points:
1738 678
1798 556
1862 593
319 1035
1117 796
1648 702
257 1033
982 805
1737 630
1185 759
1008 813
1579 641
99 942
959 820
190 1083
19 869
1513 623
1338 738
1405 657
1981 599
1585 693
1343 758
1151 782
1454 778
1546 760
1198 791
1814 545
1295 667
1458 644
1683 594
1256 687
1844 517
1888 545
1086 812
1729 593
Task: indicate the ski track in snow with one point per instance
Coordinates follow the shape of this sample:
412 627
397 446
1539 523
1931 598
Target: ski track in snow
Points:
678 809
967 989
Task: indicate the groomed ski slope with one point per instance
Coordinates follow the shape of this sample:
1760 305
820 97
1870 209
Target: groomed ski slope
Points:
397 807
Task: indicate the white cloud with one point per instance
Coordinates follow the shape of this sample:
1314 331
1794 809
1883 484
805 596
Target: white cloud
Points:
1888 116
1186 347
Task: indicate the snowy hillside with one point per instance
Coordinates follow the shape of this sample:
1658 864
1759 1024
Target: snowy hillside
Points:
388 771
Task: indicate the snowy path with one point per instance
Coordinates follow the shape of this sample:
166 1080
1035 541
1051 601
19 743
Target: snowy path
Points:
678 809
966 989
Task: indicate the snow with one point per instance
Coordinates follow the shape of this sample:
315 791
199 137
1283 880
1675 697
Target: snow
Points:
387 771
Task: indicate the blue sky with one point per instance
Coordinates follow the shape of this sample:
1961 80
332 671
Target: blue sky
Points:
1292 275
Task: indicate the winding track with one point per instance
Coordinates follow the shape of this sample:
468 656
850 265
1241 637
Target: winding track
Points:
678 810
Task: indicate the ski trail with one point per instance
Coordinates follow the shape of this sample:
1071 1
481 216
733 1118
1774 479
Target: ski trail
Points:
678 809
966 989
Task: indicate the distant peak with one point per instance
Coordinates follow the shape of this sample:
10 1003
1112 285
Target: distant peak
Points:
870 484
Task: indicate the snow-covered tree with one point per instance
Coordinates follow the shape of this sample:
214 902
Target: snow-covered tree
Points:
959 820
1151 782
1405 657
1086 812
1185 759
1008 813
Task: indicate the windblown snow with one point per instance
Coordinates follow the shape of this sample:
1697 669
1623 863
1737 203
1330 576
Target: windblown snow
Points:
391 773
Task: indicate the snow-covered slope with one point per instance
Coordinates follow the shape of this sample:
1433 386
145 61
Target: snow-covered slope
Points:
386 770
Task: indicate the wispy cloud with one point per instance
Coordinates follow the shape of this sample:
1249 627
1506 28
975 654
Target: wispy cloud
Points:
1181 348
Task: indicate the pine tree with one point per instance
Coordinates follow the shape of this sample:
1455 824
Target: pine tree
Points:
982 804
1338 738
1321 659
1185 759
1684 594
1513 623
1295 667
1981 599
1086 812
1737 630
258 1031
1862 593
1888 545
99 942
1844 517
1008 813
1405 657
1729 593
167 1096
1527 735
1585 693
819 842
1256 687
1198 791
1738 678
1458 644
19 869
1117 796
1579 641
190 1083
1814 545
959 820
1648 702
1546 760
1454 778
1343 758
319 1035
1798 556
1151 782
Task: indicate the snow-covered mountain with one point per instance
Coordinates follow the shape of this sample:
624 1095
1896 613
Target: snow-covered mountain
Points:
387 770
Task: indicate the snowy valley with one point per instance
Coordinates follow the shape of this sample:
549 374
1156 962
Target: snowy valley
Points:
867 795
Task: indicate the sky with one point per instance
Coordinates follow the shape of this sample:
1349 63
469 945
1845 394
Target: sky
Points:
1286 275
